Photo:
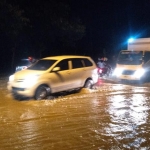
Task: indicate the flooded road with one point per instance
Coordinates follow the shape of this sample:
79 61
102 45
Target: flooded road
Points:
111 116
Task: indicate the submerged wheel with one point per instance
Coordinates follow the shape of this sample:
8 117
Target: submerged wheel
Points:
41 93
88 84
16 96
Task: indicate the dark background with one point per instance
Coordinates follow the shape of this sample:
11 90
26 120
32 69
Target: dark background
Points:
42 28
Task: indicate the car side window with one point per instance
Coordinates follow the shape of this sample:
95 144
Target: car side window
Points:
146 57
63 65
87 62
77 63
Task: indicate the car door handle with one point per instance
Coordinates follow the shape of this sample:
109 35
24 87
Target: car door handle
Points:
68 72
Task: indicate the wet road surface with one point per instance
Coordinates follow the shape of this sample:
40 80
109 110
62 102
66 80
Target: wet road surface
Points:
111 116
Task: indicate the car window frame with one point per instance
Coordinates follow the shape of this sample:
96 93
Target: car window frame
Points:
72 60
60 62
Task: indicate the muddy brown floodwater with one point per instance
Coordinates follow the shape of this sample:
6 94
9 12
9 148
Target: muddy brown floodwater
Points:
112 116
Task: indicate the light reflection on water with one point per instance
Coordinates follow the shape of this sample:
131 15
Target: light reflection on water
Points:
108 117
129 114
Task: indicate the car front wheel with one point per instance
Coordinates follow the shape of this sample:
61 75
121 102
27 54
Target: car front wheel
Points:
41 93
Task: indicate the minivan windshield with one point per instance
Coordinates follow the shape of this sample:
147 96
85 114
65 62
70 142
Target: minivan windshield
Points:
43 64
130 57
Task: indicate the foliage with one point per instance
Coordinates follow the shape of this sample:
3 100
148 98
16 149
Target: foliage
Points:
53 25
37 26
12 23
11 19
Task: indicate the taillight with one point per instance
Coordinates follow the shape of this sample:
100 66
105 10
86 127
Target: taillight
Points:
100 70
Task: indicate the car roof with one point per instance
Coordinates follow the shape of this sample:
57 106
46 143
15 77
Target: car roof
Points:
65 57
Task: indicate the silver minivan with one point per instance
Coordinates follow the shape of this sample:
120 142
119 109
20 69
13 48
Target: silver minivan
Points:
54 74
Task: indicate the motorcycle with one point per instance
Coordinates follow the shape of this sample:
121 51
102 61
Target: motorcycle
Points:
105 72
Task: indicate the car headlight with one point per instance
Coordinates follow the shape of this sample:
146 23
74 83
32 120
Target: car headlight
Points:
30 80
117 72
139 73
11 78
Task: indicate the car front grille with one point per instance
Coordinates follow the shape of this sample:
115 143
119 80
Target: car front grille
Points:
128 72
14 89
19 80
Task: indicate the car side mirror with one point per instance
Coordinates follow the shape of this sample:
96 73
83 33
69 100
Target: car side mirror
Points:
56 69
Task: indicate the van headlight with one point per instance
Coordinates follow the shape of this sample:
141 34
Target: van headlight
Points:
117 72
11 78
139 73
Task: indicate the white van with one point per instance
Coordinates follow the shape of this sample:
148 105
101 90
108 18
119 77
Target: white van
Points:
52 75
134 64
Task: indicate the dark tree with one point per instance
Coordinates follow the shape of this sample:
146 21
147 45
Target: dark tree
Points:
53 28
38 27
12 23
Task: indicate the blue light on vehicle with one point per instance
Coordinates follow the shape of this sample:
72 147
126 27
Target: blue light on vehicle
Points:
130 40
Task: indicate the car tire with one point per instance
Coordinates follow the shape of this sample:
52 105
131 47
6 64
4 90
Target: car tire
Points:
41 93
16 96
88 84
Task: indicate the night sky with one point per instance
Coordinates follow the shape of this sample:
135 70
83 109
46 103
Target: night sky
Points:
108 25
